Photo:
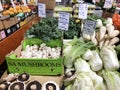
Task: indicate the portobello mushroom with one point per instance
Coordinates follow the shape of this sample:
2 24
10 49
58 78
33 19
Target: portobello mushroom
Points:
17 86
50 85
4 85
34 85
24 77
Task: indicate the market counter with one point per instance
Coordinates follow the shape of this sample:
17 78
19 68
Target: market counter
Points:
14 40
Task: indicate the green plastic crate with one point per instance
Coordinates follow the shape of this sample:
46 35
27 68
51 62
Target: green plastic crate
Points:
35 66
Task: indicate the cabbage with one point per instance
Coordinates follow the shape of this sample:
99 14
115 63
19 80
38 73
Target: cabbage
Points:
97 80
81 66
112 79
75 49
83 82
69 87
88 55
109 57
96 62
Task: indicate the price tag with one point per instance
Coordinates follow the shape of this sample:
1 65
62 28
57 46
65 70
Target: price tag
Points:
18 26
108 3
1 8
25 3
83 9
98 13
12 3
63 22
3 34
58 0
36 2
41 10
28 1
89 27
80 1
8 31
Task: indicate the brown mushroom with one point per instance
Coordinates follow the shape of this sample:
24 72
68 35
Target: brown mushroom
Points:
24 77
2 86
34 85
17 86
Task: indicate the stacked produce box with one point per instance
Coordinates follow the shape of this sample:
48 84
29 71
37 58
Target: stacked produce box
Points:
19 16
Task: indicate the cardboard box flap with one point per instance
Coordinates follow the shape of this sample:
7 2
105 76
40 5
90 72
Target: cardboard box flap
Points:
50 4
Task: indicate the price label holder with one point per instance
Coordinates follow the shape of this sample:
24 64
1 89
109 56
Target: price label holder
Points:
58 0
98 13
63 22
1 8
13 4
83 9
89 27
3 34
25 3
108 3
41 10
80 1
28 1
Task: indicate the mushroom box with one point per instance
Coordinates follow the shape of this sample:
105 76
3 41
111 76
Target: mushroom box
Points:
37 57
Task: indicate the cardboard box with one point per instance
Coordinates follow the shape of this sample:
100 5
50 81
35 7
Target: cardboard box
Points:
9 22
50 4
1 25
34 66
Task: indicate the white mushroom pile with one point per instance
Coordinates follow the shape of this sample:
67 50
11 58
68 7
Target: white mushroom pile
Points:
40 52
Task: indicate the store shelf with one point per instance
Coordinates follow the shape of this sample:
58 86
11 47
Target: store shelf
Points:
13 41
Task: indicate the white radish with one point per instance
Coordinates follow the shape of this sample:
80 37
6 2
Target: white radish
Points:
106 42
109 20
110 29
99 23
101 43
102 33
115 33
86 37
106 36
114 41
92 36
94 40
97 36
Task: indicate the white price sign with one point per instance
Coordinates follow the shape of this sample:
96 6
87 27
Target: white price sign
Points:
83 9
28 1
98 13
25 3
41 10
12 3
108 3
1 8
80 1
89 27
58 0
63 23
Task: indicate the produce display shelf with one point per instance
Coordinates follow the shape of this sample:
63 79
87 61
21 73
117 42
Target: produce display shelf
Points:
14 40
